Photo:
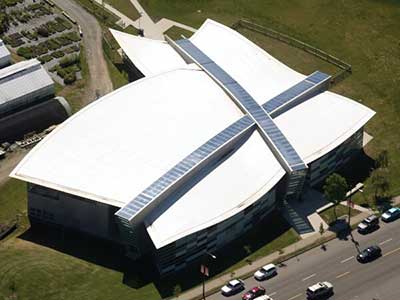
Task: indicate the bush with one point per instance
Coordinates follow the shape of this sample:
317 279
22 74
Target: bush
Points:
43 31
25 52
52 44
45 58
70 78
57 54
64 22
72 36
63 41
69 60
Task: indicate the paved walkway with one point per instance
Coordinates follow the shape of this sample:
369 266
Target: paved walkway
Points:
151 30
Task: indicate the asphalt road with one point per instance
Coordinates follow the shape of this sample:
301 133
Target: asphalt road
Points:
99 82
377 280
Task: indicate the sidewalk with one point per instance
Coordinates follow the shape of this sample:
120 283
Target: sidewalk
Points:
290 251
151 30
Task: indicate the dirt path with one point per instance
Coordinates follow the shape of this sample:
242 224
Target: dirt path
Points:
99 82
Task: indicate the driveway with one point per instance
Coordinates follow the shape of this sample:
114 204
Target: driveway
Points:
99 82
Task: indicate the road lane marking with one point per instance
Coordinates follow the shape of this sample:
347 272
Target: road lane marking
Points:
384 242
308 277
343 274
294 297
274 293
347 259
391 252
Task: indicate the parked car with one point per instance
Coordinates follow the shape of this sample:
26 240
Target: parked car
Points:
391 214
369 254
368 224
232 287
264 297
265 272
319 290
254 293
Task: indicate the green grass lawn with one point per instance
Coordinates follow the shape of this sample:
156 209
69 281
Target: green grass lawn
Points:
363 33
78 267
176 33
132 30
329 216
125 7
117 77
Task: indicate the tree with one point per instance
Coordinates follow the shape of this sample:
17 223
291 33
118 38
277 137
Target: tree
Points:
321 229
335 189
380 182
321 232
382 161
177 290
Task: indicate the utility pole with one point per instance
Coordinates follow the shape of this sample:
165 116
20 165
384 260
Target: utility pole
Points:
204 270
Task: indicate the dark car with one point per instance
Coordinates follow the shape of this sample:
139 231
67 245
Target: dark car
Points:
391 215
368 224
254 293
369 254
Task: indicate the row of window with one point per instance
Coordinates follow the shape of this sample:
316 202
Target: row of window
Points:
41 214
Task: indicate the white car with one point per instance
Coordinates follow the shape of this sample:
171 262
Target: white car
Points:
320 289
232 287
266 272
263 297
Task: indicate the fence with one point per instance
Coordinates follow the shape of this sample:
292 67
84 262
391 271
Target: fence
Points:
336 78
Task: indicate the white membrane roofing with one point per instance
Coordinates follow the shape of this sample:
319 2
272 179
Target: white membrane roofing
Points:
260 74
234 185
127 139
116 147
151 57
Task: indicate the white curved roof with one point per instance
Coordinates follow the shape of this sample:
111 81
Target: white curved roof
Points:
151 57
126 140
262 75
236 184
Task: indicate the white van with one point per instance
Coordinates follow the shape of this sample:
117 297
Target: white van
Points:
266 272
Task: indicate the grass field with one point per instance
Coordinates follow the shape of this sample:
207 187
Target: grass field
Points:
125 7
176 33
329 216
364 33
78 267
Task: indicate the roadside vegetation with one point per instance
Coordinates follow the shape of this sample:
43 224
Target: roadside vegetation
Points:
331 214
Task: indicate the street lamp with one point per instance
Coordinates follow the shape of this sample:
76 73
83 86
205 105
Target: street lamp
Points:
204 270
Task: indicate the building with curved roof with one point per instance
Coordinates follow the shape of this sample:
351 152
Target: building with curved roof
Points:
194 154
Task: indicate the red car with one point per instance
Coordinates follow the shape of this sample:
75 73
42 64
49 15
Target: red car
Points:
254 293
